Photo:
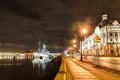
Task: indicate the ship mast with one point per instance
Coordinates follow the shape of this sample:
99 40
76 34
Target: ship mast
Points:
39 46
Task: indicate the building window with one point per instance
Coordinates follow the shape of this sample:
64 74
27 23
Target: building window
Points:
111 40
116 36
110 34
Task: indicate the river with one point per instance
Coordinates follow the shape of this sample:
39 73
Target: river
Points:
27 69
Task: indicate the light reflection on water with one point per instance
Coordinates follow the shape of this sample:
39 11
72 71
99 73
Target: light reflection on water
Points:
27 70
39 65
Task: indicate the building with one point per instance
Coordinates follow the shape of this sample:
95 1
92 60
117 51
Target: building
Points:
108 35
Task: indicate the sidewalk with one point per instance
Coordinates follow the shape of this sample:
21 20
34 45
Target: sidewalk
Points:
78 72
84 71
98 72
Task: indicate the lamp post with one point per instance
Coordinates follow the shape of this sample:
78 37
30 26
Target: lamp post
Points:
84 31
81 51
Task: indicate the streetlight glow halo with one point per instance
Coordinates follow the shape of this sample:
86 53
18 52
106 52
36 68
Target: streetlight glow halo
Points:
84 31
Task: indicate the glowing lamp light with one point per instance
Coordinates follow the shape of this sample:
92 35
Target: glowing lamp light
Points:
74 41
74 45
84 31
70 48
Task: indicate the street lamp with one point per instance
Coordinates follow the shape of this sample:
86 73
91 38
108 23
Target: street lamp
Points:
74 46
74 41
83 32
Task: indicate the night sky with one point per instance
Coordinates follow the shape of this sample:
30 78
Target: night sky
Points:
24 22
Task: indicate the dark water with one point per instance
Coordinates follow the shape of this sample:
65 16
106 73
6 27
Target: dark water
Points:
27 70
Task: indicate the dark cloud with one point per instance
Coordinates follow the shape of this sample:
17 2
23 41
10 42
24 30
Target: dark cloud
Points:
24 22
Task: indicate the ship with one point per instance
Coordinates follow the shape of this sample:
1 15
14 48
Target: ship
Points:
42 53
